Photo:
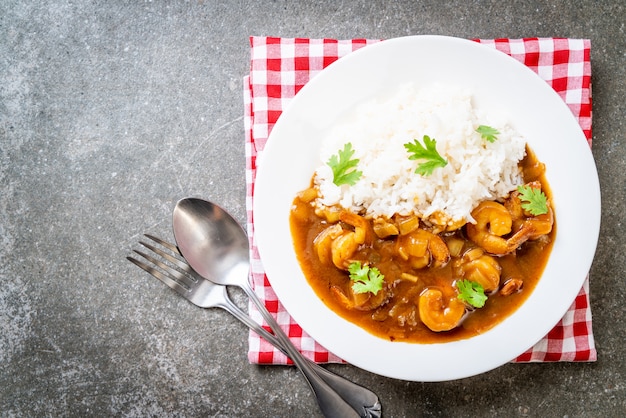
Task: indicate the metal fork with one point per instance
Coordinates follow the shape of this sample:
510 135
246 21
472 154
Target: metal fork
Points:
205 294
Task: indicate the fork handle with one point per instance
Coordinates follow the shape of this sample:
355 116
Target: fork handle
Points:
361 399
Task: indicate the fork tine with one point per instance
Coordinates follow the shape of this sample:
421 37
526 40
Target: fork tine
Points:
165 278
166 244
177 275
182 266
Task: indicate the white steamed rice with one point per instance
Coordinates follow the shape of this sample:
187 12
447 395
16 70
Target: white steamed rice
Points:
476 169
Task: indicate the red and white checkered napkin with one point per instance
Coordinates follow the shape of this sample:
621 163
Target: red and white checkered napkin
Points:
281 66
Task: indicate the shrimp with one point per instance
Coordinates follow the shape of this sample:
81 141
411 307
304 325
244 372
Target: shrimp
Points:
420 247
538 225
493 221
437 314
476 266
360 301
324 240
337 244
362 233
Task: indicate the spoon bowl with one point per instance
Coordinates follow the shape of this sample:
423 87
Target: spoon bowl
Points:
212 241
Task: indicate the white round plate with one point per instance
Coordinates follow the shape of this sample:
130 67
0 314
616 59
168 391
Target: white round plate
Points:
498 82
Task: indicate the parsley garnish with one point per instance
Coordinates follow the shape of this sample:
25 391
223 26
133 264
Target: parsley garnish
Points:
533 200
427 152
488 133
472 293
344 169
365 279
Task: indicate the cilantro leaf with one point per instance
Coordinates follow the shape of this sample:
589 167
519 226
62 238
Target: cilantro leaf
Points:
488 133
533 200
344 168
472 293
427 152
365 279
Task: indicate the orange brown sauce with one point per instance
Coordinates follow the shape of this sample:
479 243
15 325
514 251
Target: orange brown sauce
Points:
396 316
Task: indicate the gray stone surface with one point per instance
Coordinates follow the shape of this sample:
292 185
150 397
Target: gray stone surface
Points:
111 111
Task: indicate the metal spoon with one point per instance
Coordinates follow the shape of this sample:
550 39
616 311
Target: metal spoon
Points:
216 246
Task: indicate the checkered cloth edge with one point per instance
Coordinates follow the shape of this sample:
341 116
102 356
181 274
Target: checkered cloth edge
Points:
280 67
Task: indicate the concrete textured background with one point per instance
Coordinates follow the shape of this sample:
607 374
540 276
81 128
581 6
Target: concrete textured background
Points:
111 111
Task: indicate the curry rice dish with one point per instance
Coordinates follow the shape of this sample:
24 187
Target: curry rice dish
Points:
441 241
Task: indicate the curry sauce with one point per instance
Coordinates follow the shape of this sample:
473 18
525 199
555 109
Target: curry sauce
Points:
394 313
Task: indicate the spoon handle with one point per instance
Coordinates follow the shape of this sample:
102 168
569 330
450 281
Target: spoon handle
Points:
360 398
329 401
